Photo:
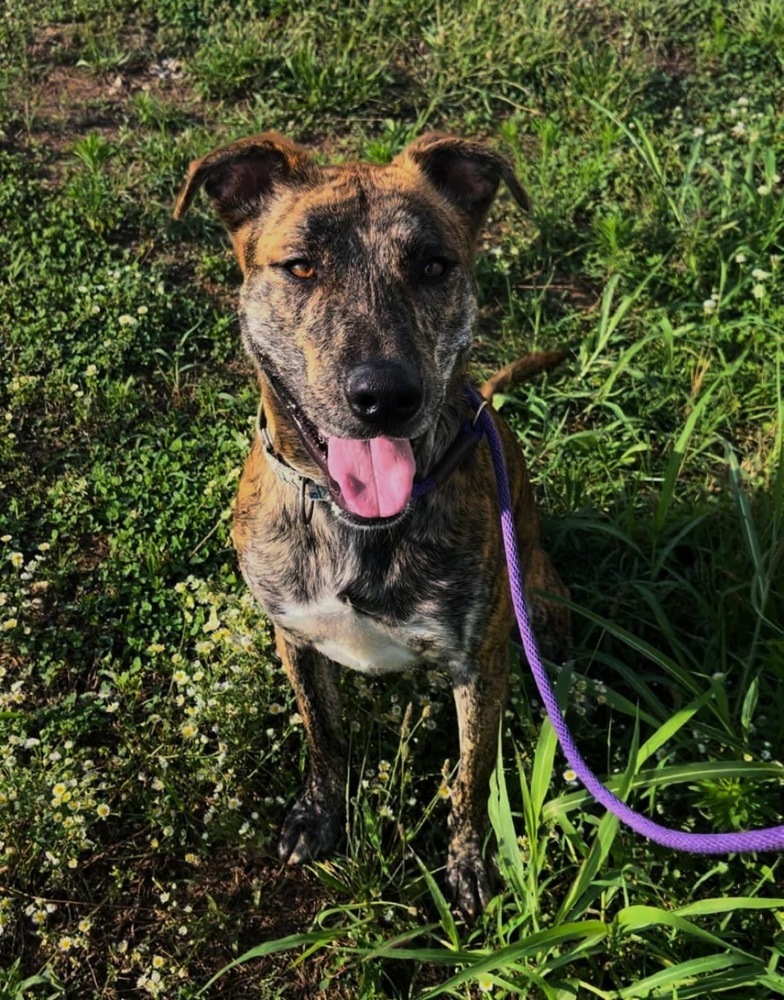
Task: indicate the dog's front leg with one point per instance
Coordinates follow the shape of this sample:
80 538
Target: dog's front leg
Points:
480 699
313 825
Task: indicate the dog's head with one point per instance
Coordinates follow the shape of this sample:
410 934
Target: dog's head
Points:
359 301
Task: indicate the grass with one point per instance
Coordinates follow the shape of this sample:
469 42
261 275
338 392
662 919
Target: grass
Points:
149 742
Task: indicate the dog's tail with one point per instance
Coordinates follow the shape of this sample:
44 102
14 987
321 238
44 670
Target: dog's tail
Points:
521 370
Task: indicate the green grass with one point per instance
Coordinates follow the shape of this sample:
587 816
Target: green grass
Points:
148 741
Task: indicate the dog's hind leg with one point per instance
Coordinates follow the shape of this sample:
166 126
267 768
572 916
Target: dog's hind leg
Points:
480 699
314 823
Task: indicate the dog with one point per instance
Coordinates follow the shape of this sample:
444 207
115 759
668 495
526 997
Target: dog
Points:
358 309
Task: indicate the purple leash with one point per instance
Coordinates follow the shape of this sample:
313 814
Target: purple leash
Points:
747 841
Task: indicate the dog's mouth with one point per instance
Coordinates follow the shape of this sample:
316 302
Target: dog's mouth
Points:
369 479
375 476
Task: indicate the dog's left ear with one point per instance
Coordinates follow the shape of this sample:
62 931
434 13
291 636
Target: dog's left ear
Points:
465 172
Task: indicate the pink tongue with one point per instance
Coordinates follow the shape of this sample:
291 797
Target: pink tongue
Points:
375 476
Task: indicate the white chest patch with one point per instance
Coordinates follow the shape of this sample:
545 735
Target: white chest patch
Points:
348 637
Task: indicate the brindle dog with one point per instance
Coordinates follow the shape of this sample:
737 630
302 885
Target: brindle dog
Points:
358 308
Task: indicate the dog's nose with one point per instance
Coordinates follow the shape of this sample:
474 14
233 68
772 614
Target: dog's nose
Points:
383 393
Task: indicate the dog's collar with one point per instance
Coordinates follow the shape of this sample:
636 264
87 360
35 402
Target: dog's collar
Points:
311 492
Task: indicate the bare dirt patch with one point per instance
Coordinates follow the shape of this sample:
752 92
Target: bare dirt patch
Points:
247 902
68 99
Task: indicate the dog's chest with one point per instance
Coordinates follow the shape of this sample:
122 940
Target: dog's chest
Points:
361 641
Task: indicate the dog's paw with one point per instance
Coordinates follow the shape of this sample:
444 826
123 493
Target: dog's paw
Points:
310 830
471 882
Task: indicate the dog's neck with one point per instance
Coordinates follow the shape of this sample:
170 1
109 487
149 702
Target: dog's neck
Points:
431 447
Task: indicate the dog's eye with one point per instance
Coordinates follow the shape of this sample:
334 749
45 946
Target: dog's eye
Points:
434 268
302 269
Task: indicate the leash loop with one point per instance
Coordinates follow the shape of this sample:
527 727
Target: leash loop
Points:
746 841
481 409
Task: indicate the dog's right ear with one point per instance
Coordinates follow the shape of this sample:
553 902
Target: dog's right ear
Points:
240 176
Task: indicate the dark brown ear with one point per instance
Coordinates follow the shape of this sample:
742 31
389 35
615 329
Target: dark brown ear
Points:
466 172
238 177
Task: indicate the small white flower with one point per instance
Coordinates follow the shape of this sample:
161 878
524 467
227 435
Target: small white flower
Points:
739 129
740 257
759 275
758 291
126 320
763 190
698 133
709 306
212 623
